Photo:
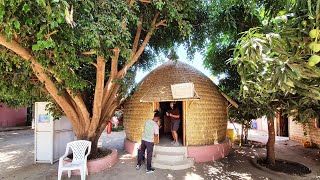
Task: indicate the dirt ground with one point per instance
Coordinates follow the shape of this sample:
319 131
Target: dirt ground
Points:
16 161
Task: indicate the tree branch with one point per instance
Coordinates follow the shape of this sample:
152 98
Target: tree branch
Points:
103 123
44 79
98 95
47 36
113 74
145 1
77 109
123 23
136 56
89 52
114 62
112 95
131 3
161 23
137 37
79 103
15 47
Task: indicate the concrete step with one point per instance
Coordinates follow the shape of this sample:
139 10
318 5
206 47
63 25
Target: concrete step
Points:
175 149
173 165
170 156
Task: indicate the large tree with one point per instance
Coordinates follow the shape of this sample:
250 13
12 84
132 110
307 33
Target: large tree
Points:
82 54
228 19
274 70
278 64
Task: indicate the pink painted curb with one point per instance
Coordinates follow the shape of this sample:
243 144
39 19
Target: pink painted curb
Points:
99 165
131 147
209 152
199 153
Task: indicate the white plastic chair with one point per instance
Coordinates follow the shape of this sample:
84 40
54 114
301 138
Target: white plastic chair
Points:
79 160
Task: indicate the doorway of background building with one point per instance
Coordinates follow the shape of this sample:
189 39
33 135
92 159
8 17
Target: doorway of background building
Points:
165 131
282 125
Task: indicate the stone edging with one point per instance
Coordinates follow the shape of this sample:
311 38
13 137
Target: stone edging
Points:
98 165
257 165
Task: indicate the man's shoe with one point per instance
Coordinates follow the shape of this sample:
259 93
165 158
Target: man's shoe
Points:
151 170
176 144
173 142
138 166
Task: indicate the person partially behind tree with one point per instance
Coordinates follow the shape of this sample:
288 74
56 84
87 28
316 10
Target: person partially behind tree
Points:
174 115
151 131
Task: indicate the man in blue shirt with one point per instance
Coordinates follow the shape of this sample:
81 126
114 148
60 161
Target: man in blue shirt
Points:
151 129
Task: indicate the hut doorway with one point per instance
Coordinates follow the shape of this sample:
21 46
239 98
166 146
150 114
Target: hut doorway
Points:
165 131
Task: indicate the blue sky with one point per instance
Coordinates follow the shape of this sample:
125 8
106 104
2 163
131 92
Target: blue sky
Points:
197 62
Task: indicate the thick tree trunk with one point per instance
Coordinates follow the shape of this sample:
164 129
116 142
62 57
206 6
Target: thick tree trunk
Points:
94 145
241 137
271 156
246 131
94 142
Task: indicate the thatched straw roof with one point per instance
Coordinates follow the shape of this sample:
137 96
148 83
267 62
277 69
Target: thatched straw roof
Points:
172 72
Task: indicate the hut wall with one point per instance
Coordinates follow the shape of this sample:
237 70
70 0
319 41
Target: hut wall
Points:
206 118
135 115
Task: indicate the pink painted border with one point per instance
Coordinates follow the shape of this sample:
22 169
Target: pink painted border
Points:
131 147
209 152
199 153
99 165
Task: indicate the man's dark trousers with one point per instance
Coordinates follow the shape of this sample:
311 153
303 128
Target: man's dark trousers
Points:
149 146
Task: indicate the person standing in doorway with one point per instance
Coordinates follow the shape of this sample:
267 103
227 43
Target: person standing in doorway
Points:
151 131
174 115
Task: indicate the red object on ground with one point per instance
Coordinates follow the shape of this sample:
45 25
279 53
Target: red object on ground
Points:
109 127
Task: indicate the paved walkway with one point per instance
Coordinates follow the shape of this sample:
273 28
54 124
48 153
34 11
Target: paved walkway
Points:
16 161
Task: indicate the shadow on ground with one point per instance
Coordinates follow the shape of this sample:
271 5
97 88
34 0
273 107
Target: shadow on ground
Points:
16 162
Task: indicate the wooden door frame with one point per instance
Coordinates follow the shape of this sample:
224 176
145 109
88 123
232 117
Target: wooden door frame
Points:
156 105
184 115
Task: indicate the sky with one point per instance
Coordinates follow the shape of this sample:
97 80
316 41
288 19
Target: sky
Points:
197 63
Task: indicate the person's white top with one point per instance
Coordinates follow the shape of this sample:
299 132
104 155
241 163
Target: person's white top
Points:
150 129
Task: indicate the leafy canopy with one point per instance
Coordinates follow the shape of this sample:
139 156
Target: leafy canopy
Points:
67 46
276 61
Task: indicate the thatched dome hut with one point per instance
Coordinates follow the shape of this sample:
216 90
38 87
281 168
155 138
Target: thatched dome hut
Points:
204 116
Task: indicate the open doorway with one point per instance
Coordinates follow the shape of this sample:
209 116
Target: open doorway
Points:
282 125
165 131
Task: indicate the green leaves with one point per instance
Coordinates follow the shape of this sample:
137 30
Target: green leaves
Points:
16 24
18 86
159 4
314 33
41 45
314 46
26 8
314 60
228 19
40 26
280 63
41 2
